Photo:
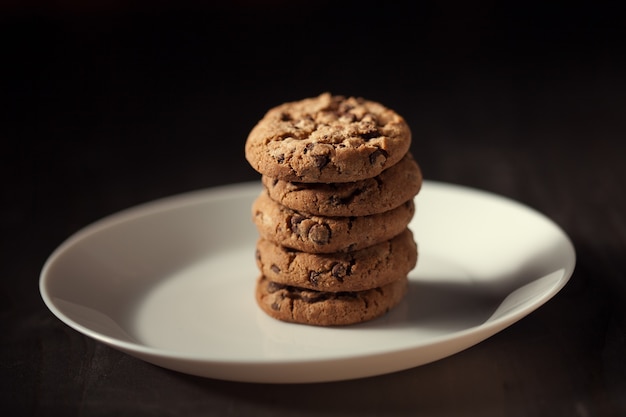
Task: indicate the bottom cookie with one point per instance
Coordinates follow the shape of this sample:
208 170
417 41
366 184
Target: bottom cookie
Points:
319 308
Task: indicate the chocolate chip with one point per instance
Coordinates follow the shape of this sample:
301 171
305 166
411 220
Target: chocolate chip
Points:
280 158
275 269
275 306
314 277
336 201
285 117
294 223
321 160
378 154
320 234
370 135
339 271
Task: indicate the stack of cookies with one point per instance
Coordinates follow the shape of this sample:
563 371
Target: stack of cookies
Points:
339 186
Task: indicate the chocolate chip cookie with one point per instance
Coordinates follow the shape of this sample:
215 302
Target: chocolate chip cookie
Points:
359 270
328 138
298 305
386 191
321 234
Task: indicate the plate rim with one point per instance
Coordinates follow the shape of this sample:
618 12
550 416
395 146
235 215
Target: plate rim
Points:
161 357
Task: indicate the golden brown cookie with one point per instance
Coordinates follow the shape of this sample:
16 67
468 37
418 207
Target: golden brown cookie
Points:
360 270
298 305
319 234
386 191
328 138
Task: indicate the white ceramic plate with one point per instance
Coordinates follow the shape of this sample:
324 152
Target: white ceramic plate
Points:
172 281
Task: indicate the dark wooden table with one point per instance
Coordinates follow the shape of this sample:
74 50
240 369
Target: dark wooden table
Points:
107 107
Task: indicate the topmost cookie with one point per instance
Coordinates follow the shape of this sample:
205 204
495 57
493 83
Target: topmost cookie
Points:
327 139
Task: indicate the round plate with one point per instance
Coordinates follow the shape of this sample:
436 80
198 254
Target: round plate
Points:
172 282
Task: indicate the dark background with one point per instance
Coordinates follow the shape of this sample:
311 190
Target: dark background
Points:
110 104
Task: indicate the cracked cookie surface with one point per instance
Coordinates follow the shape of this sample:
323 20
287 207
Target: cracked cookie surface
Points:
298 305
360 270
322 234
386 191
328 138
